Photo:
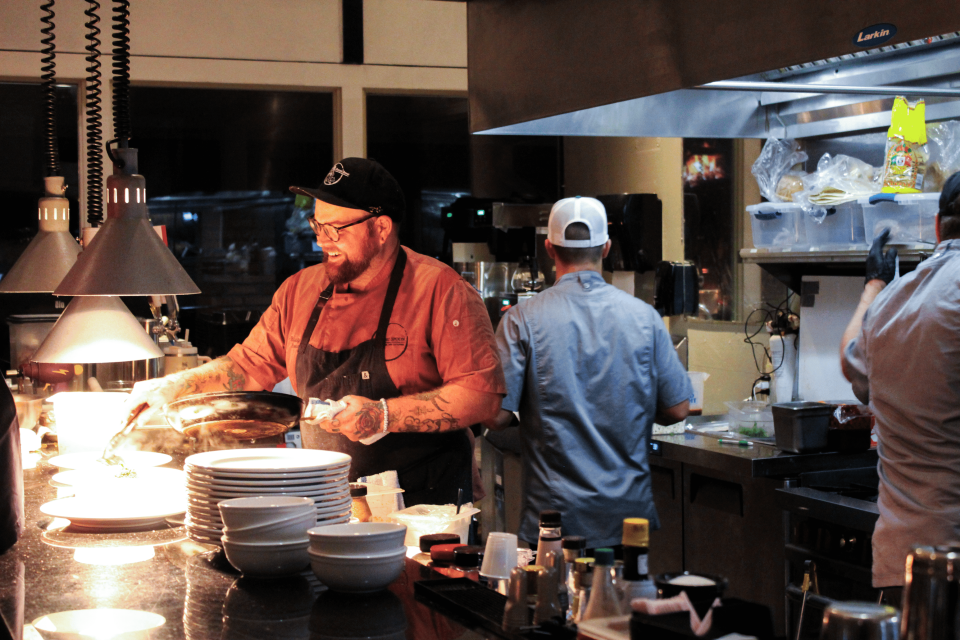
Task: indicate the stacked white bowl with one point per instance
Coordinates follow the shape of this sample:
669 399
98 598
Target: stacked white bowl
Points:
267 535
358 557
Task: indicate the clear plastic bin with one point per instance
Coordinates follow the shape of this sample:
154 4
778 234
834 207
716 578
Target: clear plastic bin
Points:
911 217
777 225
841 228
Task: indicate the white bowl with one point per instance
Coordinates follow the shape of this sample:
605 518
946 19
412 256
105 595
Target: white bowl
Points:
282 530
358 574
246 512
267 559
357 539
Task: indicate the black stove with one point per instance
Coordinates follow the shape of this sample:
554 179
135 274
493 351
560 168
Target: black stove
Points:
828 518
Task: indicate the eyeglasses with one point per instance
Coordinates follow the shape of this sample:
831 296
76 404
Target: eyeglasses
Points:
333 232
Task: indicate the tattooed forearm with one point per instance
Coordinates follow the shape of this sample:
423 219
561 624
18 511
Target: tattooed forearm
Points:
447 408
222 373
369 419
446 422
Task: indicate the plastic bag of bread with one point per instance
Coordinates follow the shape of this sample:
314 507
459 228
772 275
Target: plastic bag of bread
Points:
943 149
790 184
776 160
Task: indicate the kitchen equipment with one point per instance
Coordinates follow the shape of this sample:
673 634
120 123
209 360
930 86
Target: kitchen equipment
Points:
697 381
271 474
267 558
358 574
27 333
357 539
423 519
751 418
86 420
930 603
777 225
180 356
96 513
701 588
911 217
801 427
244 415
125 624
677 289
266 518
860 621
841 228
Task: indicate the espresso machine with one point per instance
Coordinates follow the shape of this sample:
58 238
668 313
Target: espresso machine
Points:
498 248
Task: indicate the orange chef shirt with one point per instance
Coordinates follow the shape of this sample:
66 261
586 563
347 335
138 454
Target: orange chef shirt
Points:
439 331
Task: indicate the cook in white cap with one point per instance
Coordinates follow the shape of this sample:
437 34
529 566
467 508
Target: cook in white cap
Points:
589 368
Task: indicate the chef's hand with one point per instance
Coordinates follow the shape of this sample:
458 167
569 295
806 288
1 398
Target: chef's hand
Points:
361 418
153 393
880 265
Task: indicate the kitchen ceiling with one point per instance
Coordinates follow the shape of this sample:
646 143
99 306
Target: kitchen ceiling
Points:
630 69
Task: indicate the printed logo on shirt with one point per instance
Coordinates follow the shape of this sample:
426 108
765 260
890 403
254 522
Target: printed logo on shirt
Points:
336 174
396 342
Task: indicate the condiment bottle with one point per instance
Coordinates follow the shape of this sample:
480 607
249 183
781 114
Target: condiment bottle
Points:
636 582
359 509
467 560
582 579
548 605
549 534
603 598
573 548
516 613
533 576
554 559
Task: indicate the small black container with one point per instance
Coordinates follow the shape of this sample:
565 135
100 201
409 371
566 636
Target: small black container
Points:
702 597
801 427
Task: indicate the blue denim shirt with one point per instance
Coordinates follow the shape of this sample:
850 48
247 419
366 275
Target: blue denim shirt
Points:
586 366
906 363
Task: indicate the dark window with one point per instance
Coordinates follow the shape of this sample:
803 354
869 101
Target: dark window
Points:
218 165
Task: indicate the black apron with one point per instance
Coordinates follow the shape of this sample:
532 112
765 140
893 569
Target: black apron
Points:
431 466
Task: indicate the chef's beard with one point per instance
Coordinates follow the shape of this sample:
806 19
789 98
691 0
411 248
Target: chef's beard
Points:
350 268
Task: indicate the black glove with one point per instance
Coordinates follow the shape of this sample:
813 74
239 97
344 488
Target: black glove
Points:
880 265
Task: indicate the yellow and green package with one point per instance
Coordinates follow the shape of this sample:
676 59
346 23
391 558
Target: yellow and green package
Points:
905 161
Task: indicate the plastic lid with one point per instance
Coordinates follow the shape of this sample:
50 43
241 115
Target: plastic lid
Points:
636 532
358 491
574 542
433 539
583 565
468 556
774 206
901 198
603 556
549 518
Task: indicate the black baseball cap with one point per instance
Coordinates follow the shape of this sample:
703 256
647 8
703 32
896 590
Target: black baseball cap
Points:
359 183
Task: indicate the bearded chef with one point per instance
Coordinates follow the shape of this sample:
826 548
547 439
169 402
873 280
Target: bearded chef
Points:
399 337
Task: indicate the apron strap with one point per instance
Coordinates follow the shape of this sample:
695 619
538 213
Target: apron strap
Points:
315 316
395 277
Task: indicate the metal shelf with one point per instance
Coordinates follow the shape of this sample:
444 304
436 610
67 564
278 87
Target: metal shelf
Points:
790 266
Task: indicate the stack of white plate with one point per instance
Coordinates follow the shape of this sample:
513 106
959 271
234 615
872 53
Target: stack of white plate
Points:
240 473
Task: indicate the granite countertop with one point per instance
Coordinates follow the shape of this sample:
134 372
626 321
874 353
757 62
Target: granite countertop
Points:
198 594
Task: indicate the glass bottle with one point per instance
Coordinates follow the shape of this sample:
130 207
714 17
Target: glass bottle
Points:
582 579
603 598
636 581
550 539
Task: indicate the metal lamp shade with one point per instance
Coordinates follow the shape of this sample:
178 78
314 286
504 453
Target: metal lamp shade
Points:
51 253
97 329
126 257
43 264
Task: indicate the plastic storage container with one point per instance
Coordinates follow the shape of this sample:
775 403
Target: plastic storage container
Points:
801 427
841 228
777 225
750 418
424 519
911 217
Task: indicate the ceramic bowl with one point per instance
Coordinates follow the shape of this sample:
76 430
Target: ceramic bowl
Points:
247 512
358 574
289 529
267 559
357 539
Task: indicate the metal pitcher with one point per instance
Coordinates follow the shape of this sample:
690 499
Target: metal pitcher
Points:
860 621
931 594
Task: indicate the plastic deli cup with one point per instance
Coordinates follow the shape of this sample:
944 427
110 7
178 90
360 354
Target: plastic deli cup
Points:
500 555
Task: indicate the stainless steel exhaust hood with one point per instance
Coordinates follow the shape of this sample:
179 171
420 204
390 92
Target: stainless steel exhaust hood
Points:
625 68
